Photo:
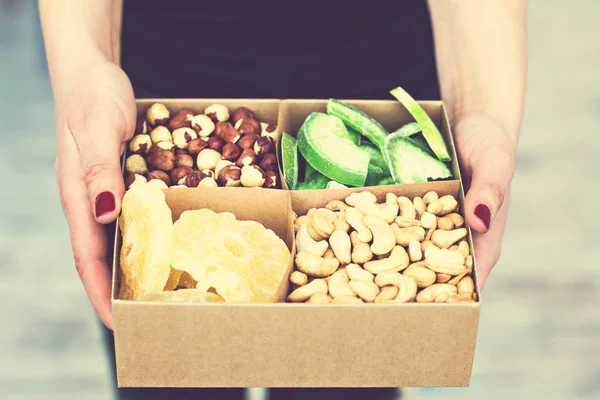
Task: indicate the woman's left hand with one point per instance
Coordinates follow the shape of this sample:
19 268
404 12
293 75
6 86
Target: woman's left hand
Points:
486 154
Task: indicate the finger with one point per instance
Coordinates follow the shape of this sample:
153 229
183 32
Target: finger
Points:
488 247
492 172
88 238
100 140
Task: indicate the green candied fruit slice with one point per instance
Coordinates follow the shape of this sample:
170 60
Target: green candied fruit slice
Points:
289 160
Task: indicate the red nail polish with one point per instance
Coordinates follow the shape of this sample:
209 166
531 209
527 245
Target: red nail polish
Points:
105 203
484 214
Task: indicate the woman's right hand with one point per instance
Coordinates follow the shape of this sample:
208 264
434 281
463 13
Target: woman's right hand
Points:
95 116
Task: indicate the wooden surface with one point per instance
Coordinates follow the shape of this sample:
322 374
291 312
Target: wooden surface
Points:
540 322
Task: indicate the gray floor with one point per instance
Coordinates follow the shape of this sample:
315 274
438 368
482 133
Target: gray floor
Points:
540 325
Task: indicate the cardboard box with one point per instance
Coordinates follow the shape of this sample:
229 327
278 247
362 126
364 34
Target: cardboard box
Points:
294 345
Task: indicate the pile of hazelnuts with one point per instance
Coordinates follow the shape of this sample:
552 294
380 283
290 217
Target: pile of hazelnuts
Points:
211 149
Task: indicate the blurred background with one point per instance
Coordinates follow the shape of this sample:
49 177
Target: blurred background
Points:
540 323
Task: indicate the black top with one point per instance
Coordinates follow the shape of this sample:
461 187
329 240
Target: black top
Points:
279 49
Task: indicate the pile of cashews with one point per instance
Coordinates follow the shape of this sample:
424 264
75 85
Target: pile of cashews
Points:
398 251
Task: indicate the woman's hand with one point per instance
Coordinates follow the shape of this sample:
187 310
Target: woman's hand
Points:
95 118
486 154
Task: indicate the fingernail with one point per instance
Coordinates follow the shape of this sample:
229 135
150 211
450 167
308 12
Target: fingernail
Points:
105 203
484 214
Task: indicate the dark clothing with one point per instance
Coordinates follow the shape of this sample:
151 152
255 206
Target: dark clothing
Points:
276 49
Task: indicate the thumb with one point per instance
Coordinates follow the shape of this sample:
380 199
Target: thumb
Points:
491 173
100 149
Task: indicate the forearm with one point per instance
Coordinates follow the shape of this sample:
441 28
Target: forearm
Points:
481 56
79 34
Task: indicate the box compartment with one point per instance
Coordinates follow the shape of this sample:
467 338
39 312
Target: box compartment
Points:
295 345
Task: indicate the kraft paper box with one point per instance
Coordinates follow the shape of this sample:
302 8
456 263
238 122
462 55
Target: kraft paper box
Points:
294 345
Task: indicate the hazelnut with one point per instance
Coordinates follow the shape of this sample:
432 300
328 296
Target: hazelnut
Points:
183 119
159 158
165 145
247 141
179 151
158 183
271 180
263 146
134 179
242 113
267 130
182 136
252 176
193 178
220 165
268 162
195 146
140 144
208 182
159 175
203 125
230 176
158 114
220 127
141 126
178 173
184 160
231 151
209 172
215 143
246 126
135 164
161 134
247 157
230 134
208 159
217 112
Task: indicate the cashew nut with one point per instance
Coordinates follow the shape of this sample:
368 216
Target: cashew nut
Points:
421 274
445 223
329 254
340 223
341 246
361 253
346 300
314 265
442 206
430 197
443 278
365 290
454 247
407 208
358 274
457 219
420 206
463 248
405 235
384 239
305 292
441 298
444 261
336 205
403 222
428 221
387 278
366 203
322 221
319 298
414 251
390 210
298 222
445 239
429 294
386 294
407 290
466 285
397 261
461 298
338 284
298 278
355 220
425 244
304 243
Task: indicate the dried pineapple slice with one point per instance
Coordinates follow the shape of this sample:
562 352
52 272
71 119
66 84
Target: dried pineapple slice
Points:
183 295
147 229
